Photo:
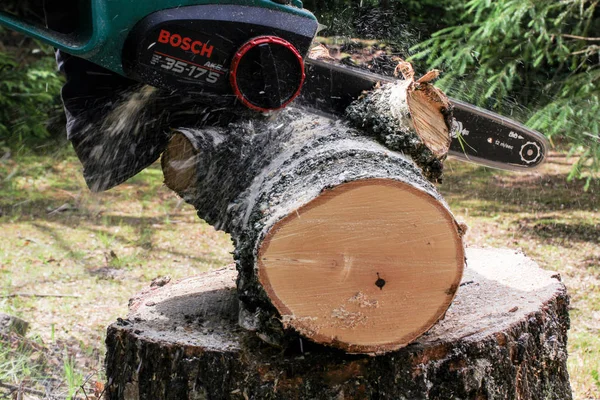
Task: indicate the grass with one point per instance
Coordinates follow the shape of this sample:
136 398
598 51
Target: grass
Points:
73 377
99 249
553 221
15 363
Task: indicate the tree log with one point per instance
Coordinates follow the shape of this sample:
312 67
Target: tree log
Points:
337 238
504 337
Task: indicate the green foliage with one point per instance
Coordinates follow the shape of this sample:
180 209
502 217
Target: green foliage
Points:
537 53
29 94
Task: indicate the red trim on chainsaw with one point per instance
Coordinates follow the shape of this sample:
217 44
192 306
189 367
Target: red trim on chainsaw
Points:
245 49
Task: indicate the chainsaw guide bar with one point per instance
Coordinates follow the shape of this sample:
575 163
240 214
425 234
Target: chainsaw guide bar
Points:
478 135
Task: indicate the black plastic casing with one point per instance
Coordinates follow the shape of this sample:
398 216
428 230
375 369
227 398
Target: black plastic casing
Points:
190 49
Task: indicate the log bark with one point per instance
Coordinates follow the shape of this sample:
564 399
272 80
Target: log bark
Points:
337 238
504 337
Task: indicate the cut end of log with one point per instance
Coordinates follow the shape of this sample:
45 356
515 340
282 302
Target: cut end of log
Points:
429 108
432 118
409 116
367 267
178 164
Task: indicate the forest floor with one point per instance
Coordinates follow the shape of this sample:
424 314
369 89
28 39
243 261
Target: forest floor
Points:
71 259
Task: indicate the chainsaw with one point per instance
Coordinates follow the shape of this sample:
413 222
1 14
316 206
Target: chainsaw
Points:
255 52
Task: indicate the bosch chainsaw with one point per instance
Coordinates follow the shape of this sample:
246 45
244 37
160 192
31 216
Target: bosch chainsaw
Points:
254 52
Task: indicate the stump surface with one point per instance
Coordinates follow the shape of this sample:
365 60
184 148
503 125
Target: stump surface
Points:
504 337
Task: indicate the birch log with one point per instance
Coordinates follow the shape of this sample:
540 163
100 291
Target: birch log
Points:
336 237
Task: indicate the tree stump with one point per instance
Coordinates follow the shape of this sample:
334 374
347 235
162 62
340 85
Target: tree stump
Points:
504 337
336 237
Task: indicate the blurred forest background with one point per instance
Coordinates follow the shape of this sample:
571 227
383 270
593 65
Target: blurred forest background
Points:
537 61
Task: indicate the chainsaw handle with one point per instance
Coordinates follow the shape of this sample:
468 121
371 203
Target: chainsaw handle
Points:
79 43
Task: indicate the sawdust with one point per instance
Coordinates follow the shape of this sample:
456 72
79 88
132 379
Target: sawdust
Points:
348 319
363 301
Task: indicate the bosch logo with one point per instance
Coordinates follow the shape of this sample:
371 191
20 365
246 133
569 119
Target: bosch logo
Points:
185 43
